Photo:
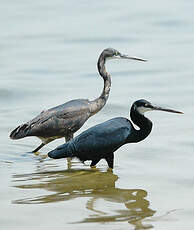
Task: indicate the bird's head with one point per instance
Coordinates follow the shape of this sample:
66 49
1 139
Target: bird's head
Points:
142 106
111 53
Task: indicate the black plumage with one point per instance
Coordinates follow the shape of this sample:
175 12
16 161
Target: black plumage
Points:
102 140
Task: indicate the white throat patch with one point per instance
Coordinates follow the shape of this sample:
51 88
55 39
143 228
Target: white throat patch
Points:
142 110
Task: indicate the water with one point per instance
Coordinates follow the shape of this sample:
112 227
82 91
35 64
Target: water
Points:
48 56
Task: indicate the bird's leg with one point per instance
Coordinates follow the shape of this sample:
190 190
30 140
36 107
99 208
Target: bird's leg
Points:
94 162
38 148
110 160
68 138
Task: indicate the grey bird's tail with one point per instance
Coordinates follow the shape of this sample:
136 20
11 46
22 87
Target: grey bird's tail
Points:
62 151
20 132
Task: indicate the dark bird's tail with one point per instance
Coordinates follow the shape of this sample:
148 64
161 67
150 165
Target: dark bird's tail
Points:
20 132
63 151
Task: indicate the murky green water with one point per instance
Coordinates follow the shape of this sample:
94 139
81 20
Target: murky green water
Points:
48 56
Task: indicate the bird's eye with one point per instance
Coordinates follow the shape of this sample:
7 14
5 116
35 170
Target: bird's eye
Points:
146 105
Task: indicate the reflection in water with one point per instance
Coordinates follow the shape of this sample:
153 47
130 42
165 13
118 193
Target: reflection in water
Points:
94 185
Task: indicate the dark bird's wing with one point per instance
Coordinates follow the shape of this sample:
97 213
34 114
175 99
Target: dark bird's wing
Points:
97 141
55 122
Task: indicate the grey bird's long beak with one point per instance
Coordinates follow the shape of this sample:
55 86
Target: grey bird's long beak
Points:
132 58
166 110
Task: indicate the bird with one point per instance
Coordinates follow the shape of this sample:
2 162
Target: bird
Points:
102 140
64 120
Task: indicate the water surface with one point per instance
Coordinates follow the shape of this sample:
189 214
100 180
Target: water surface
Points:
48 56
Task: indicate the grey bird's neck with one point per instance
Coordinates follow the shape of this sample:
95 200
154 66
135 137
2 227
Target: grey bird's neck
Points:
97 104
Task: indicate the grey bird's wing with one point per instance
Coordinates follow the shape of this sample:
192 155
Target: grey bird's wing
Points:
56 122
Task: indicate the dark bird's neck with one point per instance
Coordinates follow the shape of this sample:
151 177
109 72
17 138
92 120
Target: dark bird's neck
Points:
144 124
98 103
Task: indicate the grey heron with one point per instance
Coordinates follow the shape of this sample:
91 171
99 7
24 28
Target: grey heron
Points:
64 120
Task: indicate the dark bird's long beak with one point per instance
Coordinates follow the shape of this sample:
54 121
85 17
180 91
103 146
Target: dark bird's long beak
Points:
165 109
132 58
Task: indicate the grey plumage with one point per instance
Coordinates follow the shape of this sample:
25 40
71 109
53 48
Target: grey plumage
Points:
56 122
64 120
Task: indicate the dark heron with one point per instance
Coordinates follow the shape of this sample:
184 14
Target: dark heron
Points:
102 140
64 120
